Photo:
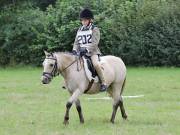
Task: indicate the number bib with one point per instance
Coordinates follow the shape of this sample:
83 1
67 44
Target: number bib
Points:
84 38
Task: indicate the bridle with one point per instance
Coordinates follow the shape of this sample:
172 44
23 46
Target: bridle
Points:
55 71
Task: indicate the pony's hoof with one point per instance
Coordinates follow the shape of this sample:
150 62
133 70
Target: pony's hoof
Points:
125 117
64 87
66 122
82 121
112 121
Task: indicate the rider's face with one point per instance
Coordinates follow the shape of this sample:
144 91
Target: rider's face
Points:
85 22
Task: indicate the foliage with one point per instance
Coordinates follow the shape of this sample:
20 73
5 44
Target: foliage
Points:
142 32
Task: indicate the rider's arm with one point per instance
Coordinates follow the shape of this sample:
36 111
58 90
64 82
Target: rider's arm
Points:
95 39
75 45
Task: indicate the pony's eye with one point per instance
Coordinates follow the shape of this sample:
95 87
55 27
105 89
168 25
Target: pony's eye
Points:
51 65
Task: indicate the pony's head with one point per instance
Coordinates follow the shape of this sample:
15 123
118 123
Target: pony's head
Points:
50 68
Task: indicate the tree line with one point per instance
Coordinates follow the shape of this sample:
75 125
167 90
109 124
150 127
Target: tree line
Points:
141 32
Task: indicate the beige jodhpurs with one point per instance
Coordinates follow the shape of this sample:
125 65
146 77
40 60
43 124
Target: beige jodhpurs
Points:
96 64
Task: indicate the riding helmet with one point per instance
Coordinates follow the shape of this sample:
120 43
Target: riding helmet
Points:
86 14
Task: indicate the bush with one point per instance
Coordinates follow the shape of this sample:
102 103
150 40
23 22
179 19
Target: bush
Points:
141 32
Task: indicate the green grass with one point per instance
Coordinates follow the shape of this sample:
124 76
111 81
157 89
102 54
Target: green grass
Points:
29 108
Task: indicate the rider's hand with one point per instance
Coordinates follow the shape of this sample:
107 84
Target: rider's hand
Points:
74 52
83 51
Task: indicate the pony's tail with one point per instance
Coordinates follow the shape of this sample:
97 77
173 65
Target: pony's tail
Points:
122 89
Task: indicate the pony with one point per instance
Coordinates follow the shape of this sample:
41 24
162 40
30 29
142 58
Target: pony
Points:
72 70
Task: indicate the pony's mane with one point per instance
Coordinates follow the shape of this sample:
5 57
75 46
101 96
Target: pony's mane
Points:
69 53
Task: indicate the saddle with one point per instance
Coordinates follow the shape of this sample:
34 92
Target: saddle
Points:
90 71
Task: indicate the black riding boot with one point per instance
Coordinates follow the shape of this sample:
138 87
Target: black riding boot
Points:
103 87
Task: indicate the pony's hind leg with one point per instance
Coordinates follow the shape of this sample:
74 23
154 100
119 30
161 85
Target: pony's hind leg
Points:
116 99
117 102
121 105
78 107
115 107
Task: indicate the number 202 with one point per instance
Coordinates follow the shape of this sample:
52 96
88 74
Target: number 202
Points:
84 39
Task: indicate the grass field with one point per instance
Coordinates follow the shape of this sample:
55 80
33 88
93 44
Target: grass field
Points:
29 108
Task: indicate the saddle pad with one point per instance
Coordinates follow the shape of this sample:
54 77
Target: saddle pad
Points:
89 70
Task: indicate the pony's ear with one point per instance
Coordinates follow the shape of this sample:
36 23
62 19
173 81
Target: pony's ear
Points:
46 53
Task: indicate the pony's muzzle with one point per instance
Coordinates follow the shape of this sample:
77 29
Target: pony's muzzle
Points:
45 80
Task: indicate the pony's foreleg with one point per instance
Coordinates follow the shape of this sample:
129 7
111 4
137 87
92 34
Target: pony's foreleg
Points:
66 117
78 107
71 100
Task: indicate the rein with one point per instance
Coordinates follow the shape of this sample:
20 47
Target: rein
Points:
68 66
